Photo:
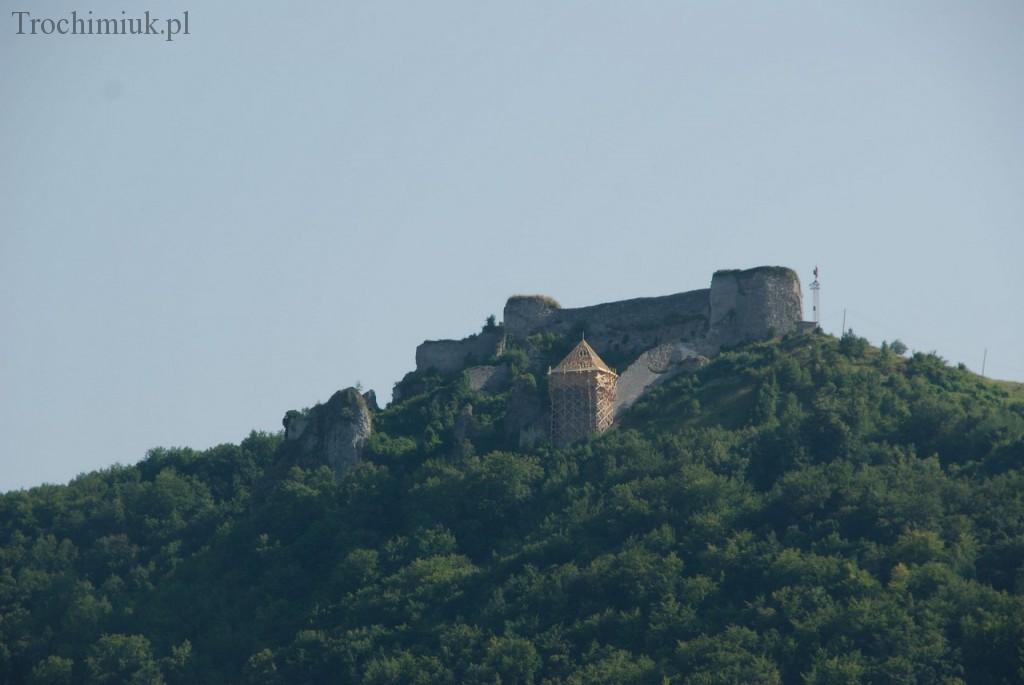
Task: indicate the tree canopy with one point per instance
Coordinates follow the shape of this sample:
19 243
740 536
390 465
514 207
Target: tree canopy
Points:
807 510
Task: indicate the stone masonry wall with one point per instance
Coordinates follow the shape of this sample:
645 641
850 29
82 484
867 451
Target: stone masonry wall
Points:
448 356
628 326
753 305
740 306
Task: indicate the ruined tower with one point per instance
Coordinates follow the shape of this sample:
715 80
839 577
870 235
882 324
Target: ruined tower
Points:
582 391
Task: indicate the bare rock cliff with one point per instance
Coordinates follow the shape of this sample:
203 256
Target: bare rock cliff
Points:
334 433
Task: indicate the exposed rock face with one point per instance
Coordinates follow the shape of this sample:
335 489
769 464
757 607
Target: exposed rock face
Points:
371 400
448 356
334 433
656 365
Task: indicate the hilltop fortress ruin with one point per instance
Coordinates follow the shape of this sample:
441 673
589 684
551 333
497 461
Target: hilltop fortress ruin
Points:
740 306
655 338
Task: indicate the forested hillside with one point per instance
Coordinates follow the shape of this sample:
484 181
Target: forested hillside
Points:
803 511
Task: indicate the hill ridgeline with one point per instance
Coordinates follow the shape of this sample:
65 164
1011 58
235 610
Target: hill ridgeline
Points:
767 504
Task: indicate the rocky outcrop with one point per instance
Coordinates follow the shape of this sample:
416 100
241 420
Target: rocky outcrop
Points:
371 400
656 365
334 433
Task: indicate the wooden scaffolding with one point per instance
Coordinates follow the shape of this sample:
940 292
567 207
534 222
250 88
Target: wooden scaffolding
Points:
582 390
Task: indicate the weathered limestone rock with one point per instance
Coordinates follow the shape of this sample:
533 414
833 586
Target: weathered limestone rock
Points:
656 365
334 433
371 400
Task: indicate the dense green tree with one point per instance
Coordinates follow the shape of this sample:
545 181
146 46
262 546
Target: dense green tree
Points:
123 659
53 670
807 510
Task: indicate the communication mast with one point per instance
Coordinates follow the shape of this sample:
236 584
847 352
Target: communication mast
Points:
816 298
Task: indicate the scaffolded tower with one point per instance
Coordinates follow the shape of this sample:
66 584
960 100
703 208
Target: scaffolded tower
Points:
582 391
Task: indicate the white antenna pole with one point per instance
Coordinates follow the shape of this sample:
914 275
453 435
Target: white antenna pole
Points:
984 359
844 320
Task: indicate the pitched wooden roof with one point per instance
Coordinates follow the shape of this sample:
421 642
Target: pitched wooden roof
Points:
582 358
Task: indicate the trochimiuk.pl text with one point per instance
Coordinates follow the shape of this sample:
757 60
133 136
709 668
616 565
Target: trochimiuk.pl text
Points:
85 24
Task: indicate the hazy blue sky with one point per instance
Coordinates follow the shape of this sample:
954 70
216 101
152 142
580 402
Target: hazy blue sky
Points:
200 235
